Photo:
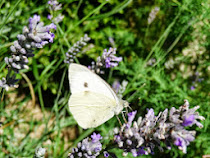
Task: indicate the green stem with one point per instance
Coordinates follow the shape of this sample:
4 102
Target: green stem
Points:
64 37
80 2
66 40
110 75
41 101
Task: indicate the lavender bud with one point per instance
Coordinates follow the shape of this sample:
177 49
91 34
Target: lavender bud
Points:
72 52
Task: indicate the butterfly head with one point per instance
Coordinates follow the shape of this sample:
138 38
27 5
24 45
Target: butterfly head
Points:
125 104
122 104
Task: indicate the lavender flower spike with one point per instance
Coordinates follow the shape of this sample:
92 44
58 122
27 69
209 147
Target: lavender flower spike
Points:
36 36
152 15
190 116
54 5
39 33
87 148
76 48
119 88
141 137
131 116
108 58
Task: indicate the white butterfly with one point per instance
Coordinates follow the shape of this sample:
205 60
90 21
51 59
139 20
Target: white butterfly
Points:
92 101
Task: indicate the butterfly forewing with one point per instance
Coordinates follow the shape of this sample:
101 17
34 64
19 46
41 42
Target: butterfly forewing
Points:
82 79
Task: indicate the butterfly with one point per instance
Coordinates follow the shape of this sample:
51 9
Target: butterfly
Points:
92 101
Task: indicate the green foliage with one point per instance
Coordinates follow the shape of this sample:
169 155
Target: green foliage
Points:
179 33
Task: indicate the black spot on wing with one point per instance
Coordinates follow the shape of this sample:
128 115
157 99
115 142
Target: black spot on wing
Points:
86 85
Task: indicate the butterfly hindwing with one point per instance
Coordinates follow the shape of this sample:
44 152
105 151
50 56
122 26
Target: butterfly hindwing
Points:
87 110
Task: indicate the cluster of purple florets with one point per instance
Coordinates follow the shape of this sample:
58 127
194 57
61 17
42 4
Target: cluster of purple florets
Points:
142 136
35 36
107 60
88 148
55 6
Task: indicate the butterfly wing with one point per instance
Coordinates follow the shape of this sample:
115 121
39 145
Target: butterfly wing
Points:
91 109
82 79
93 101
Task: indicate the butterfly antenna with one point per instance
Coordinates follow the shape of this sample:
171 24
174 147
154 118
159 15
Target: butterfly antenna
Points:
119 121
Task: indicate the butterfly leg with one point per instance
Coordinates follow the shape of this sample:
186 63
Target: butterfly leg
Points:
119 121
124 116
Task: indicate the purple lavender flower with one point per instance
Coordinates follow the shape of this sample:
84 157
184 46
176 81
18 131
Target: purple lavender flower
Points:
179 142
58 18
192 87
95 137
107 60
111 40
10 82
141 151
49 16
119 88
131 116
116 86
54 5
188 120
187 115
36 36
106 154
39 33
141 137
87 148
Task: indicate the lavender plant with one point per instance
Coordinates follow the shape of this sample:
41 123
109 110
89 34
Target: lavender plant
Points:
107 60
152 15
36 35
54 6
76 48
119 88
88 148
141 137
